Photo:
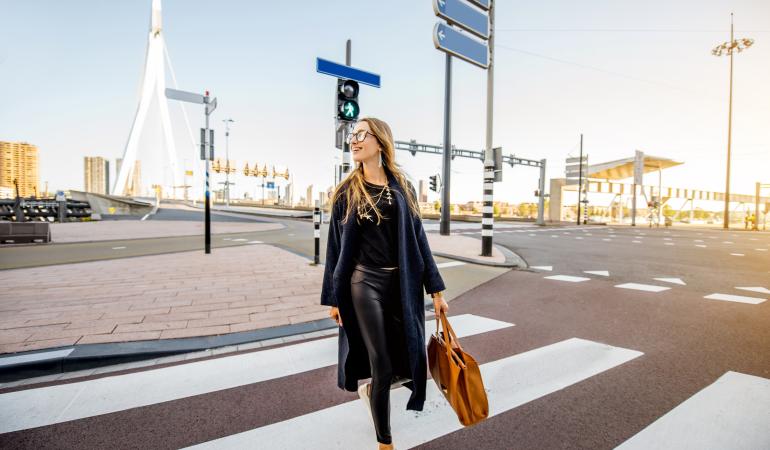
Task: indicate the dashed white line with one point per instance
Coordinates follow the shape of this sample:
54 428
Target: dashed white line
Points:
547 268
602 273
643 287
568 278
736 254
735 298
672 281
118 248
758 289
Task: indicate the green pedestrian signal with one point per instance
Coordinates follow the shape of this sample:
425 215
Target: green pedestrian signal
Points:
347 100
350 110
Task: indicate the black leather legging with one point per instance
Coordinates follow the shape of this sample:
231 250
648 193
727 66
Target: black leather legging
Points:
377 302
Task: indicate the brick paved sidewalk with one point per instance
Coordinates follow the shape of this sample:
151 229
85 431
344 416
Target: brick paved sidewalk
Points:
157 297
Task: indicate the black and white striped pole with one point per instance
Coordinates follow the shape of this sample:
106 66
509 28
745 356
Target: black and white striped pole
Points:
317 231
487 218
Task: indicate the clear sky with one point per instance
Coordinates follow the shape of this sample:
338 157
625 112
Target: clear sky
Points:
627 74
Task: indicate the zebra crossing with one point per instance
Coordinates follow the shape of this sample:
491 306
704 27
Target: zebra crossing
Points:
733 412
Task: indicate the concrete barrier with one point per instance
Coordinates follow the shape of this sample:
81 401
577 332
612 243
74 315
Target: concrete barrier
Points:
24 232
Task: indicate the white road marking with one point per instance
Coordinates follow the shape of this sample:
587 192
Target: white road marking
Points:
672 281
666 239
40 356
578 237
727 242
758 289
602 273
761 249
43 406
643 287
607 240
255 242
227 239
118 248
538 372
732 412
668 243
698 240
568 278
736 254
735 298
239 240
636 242
548 268
554 236
532 234
450 264
700 245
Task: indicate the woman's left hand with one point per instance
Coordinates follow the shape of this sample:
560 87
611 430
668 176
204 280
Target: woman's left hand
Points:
439 303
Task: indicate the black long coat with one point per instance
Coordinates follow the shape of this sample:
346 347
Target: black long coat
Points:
417 270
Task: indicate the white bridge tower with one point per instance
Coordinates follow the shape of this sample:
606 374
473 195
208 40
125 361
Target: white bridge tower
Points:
153 84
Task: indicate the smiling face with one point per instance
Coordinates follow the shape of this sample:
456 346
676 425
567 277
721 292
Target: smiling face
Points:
366 149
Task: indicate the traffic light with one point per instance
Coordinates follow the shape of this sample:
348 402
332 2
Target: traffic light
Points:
433 184
347 100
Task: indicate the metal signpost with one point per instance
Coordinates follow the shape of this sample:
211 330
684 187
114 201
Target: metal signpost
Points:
475 19
211 105
638 181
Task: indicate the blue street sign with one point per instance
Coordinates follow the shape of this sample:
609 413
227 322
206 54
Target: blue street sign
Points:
271 185
347 72
451 41
483 4
460 13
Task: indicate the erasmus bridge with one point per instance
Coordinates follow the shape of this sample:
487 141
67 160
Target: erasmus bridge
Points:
153 86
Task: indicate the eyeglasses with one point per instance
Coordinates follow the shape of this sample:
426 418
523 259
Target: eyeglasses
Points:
360 136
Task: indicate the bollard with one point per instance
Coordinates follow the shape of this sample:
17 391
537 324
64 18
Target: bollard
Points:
317 231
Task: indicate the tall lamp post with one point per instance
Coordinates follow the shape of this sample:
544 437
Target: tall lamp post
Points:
728 48
227 122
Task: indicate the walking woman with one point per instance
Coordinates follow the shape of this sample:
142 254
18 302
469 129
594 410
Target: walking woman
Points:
377 264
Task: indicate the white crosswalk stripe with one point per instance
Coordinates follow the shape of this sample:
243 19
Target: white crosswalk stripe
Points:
732 413
538 372
55 404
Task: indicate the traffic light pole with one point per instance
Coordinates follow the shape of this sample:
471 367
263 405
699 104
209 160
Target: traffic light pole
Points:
447 161
345 130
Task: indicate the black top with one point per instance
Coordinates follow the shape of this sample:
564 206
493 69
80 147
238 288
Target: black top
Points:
378 246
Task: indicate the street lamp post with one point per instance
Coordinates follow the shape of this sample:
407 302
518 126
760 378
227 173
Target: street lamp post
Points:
227 122
729 48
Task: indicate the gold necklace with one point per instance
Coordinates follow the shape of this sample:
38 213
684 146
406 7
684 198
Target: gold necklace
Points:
364 210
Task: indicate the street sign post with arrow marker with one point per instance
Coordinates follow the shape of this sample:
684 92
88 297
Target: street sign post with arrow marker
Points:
461 14
451 41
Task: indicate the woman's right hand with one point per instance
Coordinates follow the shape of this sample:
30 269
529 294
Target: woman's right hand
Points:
334 313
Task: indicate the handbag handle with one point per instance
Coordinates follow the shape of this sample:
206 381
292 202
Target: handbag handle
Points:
450 338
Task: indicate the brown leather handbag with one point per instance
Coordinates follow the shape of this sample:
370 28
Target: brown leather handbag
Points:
457 374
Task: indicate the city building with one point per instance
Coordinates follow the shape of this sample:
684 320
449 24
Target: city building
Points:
96 175
423 192
19 161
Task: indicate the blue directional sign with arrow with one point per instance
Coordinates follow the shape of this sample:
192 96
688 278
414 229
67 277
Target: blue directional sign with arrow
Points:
449 40
460 13
347 72
483 4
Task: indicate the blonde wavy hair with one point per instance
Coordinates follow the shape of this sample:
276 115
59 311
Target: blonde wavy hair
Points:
352 187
